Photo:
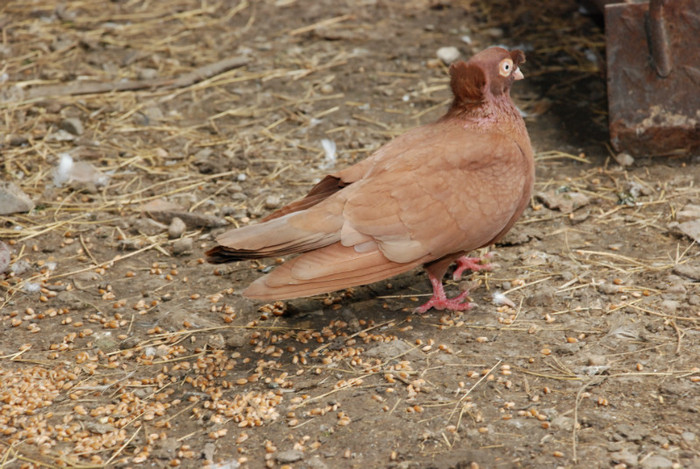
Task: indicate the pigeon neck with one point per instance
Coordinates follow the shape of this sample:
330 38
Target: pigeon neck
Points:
494 110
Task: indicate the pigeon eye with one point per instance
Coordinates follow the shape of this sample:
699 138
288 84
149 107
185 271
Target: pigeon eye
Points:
505 67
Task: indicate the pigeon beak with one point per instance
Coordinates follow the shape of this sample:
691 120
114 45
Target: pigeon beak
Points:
518 74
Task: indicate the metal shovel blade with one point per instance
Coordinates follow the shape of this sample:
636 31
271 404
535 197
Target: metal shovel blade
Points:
653 55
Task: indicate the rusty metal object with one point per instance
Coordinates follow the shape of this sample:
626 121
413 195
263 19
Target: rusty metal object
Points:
653 55
658 38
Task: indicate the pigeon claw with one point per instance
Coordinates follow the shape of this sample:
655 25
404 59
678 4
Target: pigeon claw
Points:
440 301
475 264
457 303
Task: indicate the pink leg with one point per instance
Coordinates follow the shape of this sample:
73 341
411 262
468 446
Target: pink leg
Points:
440 301
474 264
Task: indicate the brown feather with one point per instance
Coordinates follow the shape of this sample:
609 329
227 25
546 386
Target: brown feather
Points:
467 82
321 191
306 275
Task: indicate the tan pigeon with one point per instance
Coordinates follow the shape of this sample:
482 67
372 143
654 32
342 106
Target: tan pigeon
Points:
427 198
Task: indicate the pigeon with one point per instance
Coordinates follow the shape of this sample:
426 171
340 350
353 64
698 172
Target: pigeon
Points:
426 198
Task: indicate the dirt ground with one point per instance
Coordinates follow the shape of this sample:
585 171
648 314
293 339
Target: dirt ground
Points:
122 348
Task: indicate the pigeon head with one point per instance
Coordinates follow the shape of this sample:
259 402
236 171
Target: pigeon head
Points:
487 75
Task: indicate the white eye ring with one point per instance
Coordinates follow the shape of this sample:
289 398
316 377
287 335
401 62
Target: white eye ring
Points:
505 67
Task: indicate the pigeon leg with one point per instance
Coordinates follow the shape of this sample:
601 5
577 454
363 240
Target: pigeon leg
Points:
474 264
440 301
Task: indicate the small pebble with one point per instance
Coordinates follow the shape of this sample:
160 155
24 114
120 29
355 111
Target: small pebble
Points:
608 288
659 440
691 271
316 463
154 114
543 297
72 125
208 452
177 228
567 276
657 462
624 159
448 54
236 340
597 360
13 200
182 246
272 201
669 306
19 267
234 188
563 423
495 32
289 456
149 226
216 341
31 287
626 457
326 89
99 428
630 432
147 73
674 284
203 154
4 257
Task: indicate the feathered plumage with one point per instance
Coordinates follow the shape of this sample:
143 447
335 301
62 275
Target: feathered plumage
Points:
427 198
